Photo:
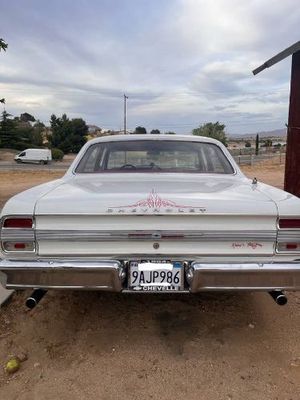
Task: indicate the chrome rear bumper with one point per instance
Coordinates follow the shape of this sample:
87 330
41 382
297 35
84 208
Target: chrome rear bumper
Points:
111 275
100 275
244 276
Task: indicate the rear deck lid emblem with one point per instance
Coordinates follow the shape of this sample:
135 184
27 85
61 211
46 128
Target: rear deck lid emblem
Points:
155 203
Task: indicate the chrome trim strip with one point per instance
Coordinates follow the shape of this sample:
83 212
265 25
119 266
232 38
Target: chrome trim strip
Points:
243 258
128 291
123 235
12 234
63 287
54 264
288 235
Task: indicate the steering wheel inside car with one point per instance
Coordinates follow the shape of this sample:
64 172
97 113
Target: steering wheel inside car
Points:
128 166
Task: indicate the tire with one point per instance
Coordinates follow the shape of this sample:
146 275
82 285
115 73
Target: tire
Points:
42 162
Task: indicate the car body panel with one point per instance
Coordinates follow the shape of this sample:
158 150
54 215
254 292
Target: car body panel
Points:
199 219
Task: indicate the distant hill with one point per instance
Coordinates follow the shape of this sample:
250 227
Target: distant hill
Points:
262 134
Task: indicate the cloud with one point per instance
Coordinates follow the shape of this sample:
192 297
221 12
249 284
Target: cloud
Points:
181 62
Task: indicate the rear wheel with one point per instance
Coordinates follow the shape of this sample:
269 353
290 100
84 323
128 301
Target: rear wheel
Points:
42 162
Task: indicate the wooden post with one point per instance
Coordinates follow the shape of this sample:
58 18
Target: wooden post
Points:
292 164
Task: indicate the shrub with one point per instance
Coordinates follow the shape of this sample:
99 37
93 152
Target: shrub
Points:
57 154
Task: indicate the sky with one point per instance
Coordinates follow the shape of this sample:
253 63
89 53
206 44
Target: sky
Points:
182 63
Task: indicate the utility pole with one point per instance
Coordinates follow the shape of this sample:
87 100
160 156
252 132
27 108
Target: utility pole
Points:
125 113
292 163
292 172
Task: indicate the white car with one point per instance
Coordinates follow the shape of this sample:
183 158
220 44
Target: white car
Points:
152 213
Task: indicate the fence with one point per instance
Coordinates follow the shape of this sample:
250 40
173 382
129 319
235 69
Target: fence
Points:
250 159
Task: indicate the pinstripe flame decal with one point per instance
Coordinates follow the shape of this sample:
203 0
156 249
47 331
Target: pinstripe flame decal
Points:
154 201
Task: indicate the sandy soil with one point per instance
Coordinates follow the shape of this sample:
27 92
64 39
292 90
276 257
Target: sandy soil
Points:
108 346
13 182
270 172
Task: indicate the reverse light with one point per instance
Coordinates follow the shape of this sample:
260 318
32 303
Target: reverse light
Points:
289 223
18 223
18 246
288 247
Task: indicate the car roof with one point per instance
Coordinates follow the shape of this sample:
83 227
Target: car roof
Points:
119 138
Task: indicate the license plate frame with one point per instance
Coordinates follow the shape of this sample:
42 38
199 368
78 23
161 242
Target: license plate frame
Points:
156 276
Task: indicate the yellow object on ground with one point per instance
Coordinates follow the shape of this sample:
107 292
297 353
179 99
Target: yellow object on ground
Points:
12 365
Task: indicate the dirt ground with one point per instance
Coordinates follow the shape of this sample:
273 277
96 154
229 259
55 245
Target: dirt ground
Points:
13 182
92 345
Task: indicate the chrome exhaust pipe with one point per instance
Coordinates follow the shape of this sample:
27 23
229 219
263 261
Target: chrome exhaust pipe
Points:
35 298
279 297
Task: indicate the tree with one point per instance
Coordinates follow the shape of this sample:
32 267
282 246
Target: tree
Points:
170 133
155 132
268 143
28 135
37 134
25 117
256 144
213 130
3 45
8 134
140 130
248 144
68 135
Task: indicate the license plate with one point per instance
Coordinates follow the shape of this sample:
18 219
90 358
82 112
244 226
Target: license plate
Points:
155 276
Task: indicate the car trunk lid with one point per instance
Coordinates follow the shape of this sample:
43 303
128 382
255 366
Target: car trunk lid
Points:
164 216
155 194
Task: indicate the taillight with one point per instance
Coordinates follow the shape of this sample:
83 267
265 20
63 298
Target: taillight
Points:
17 235
289 223
17 223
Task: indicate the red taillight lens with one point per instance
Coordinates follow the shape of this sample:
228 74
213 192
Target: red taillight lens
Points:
289 223
291 246
18 223
19 246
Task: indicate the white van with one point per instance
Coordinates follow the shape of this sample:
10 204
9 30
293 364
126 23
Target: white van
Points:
40 156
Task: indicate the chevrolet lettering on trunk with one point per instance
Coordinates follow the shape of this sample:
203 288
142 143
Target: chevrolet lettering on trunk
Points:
152 214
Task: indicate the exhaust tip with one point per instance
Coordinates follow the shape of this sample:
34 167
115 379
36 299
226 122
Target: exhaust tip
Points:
281 300
30 302
278 297
35 298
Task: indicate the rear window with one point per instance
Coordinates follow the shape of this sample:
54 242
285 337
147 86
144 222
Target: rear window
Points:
157 156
